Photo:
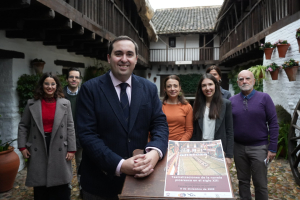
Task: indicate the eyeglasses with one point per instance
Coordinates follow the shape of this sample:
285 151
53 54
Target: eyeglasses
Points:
72 77
50 84
242 79
245 102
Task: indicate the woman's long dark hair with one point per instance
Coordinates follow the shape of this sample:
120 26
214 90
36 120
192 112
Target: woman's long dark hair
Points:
39 92
200 100
181 98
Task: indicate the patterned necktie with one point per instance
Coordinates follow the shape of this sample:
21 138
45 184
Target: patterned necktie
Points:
124 101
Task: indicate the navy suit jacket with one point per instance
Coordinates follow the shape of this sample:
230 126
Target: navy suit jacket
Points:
105 136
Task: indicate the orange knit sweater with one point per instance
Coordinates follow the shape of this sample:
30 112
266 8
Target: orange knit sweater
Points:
180 121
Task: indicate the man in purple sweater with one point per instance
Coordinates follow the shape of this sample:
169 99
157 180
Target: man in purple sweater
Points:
254 118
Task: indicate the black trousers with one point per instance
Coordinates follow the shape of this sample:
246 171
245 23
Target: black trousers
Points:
60 192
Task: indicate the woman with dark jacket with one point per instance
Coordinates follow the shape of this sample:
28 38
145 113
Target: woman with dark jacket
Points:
46 138
216 72
212 115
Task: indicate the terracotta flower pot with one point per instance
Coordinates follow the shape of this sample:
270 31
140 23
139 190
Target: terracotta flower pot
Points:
282 49
291 72
38 67
274 74
298 40
268 53
9 165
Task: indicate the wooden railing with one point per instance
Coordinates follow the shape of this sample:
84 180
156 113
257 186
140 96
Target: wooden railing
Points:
184 54
262 15
110 17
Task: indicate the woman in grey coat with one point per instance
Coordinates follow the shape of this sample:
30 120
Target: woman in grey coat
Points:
46 137
213 116
216 72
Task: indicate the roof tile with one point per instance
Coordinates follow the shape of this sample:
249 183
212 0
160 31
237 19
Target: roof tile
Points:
185 20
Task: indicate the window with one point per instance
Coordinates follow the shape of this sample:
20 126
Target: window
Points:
172 41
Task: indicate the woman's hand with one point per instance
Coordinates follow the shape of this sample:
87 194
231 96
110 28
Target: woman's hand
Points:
25 153
70 156
229 162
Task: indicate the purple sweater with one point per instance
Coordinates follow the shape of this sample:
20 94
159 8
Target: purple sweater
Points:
251 126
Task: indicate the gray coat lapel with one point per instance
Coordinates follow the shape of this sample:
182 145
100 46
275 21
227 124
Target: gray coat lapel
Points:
60 112
110 93
35 108
221 117
135 101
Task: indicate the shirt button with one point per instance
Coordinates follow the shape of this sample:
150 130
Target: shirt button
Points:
35 149
128 139
59 149
61 137
34 137
62 125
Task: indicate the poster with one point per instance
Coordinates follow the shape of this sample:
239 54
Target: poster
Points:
196 169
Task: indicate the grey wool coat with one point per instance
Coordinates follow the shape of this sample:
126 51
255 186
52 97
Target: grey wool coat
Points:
44 170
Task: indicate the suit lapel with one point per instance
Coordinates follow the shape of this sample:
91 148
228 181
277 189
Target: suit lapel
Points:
109 91
36 112
60 112
135 101
221 117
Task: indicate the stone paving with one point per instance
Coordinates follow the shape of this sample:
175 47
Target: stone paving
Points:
281 184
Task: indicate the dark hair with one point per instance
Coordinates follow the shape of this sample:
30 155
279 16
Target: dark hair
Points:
39 92
122 37
73 69
181 98
214 67
200 100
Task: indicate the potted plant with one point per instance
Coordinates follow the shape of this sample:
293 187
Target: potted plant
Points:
282 46
298 37
282 143
38 65
273 68
268 49
259 72
9 165
291 67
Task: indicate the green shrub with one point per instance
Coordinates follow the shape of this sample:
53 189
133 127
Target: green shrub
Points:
189 83
25 87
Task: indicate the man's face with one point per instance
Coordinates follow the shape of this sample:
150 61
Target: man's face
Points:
74 79
122 59
246 80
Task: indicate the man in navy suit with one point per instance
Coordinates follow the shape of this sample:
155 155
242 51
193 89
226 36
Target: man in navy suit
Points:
109 131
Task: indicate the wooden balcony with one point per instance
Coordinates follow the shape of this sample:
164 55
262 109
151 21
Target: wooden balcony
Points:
261 19
185 54
81 26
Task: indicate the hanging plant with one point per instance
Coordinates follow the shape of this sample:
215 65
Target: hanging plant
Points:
282 46
259 72
273 69
268 49
291 67
298 37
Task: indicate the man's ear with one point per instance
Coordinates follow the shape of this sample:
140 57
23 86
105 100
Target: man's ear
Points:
108 58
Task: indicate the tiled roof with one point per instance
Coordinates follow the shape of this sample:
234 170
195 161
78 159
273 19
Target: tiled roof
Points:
185 20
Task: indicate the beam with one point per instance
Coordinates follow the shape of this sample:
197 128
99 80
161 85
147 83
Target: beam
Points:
5 54
14 4
69 63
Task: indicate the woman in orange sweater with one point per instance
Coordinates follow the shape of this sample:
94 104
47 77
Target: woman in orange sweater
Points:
177 109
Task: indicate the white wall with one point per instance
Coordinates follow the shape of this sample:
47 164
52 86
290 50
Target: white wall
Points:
12 69
282 91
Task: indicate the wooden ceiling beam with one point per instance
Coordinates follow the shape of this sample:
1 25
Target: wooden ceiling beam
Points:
14 4
5 54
